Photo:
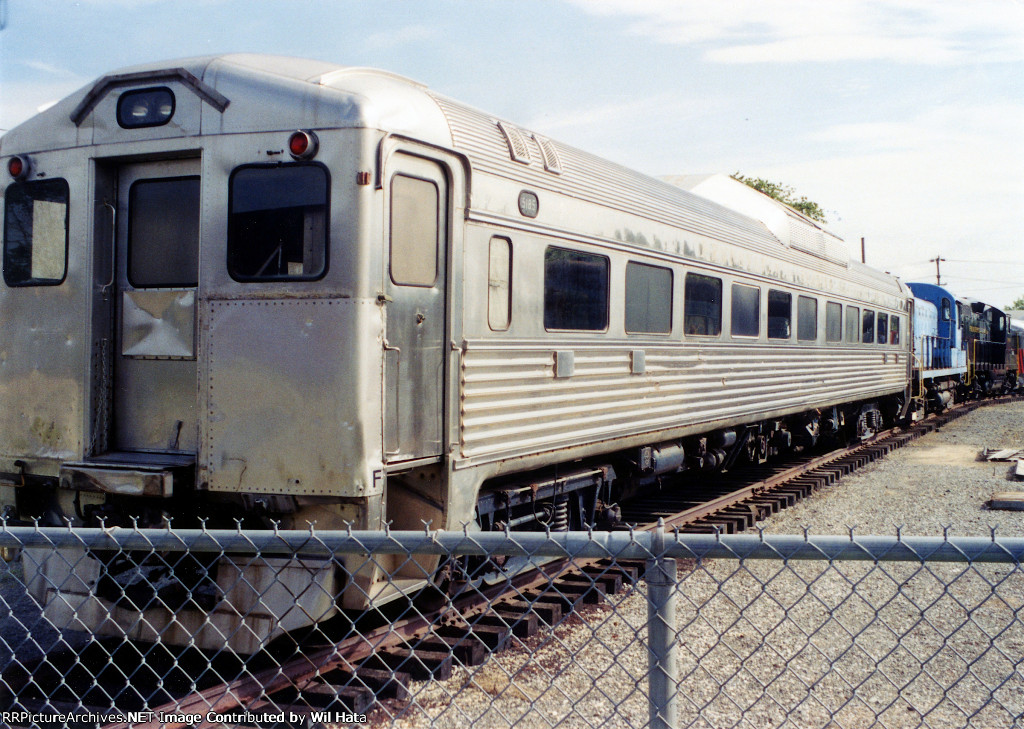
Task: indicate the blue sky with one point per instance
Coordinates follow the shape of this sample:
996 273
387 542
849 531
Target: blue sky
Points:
903 119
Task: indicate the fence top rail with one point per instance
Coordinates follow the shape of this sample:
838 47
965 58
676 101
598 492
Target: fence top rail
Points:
589 544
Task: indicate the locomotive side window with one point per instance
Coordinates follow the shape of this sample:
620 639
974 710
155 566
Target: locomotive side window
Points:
499 284
575 290
780 314
806 318
277 229
852 324
883 328
746 311
648 299
163 232
947 309
894 330
36 233
868 327
833 322
703 305
414 230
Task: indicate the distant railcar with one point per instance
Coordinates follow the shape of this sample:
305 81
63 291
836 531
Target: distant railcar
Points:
273 290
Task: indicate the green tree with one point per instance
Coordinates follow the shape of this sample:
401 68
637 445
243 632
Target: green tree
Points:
784 194
1018 304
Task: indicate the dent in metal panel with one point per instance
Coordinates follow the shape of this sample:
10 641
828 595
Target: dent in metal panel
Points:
158 323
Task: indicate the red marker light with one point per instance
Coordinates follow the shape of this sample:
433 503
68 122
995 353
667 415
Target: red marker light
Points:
303 145
18 167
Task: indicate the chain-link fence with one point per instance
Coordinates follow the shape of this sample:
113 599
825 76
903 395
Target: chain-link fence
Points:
129 627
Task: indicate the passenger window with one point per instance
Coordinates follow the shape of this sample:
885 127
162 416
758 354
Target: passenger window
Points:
163 232
868 328
883 328
780 314
833 322
499 284
852 324
575 290
806 318
36 233
746 311
277 229
648 299
947 309
703 305
414 231
894 330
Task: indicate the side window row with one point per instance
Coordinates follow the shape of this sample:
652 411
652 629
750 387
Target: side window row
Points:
576 295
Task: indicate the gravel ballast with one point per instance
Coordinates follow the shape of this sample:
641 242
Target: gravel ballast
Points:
808 644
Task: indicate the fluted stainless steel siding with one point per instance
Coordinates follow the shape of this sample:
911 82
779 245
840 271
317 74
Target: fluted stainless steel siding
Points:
512 404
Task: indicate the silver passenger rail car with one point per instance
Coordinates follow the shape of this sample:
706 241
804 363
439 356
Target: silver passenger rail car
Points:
282 291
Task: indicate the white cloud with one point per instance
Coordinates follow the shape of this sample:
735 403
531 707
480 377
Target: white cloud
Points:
790 31
398 37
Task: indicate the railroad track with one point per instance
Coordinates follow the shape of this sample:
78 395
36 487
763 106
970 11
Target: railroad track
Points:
375 666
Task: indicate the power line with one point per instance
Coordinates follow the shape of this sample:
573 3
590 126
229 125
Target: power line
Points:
997 263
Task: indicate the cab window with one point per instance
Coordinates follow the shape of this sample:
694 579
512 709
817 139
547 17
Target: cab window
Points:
277 224
36 233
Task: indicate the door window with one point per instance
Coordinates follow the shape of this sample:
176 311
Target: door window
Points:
414 228
163 232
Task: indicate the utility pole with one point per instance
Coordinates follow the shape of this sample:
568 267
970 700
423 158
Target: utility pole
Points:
938 276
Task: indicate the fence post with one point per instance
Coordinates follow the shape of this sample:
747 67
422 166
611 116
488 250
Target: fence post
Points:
661 634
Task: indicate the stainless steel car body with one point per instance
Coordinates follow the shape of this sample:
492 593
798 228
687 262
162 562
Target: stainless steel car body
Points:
364 396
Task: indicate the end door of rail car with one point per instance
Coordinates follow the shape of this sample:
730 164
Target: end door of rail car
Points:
416 232
156 275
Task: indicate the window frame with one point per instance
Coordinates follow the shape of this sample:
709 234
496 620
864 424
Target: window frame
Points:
853 325
130 241
867 336
693 275
30 281
391 229
788 318
801 319
490 274
607 290
632 264
327 224
732 310
882 337
831 306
